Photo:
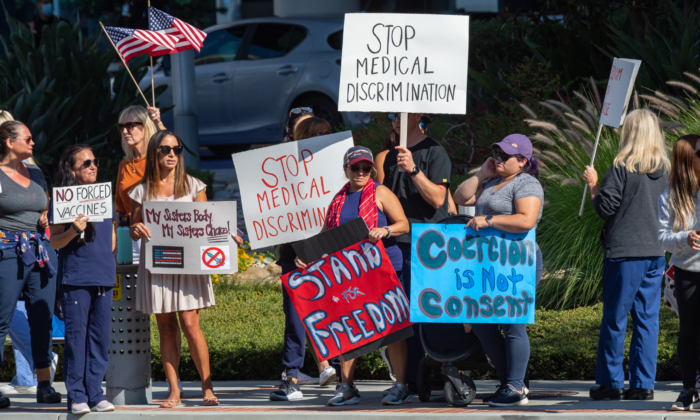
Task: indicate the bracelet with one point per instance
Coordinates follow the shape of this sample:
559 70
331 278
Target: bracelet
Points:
75 228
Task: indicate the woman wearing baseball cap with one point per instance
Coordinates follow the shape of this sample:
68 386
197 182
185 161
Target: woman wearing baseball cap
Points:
507 195
385 219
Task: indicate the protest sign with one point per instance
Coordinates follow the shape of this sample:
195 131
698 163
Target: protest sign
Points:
404 63
349 299
462 275
617 94
286 189
191 238
92 200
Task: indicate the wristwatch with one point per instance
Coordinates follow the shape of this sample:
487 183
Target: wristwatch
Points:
75 228
388 229
489 220
415 171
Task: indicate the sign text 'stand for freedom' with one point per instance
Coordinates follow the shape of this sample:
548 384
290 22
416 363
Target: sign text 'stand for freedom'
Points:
286 188
404 63
92 200
461 275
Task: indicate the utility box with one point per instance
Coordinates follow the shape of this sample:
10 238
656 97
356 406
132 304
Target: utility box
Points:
129 368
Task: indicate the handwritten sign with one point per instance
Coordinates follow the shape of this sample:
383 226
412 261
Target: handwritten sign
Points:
404 63
191 238
348 299
93 200
286 189
461 275
617 95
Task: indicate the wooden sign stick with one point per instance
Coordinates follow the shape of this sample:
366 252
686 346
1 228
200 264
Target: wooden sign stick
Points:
595 148
404 129
125 65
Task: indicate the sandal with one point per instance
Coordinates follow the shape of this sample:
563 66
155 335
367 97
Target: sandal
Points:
170 403
211 401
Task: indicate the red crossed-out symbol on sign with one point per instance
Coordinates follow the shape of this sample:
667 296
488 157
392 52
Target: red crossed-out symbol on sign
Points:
213 257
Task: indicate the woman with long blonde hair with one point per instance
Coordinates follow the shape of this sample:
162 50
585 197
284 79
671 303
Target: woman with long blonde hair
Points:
679 235
633 261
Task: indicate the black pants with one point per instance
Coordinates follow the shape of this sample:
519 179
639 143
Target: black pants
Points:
688 297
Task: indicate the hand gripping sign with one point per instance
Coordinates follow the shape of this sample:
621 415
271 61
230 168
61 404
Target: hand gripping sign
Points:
462 275
348 299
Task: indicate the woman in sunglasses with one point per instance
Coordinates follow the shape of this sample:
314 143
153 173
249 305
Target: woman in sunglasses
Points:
385 219
86 271
507 195
296 115
136 126
27 261
172 296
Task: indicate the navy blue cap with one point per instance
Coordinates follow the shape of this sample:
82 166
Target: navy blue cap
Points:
356 154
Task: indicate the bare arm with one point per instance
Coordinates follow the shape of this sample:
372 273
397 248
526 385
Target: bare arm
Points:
379 163
390 205
114 238
433 194
526 211
61 235
470 190
138 230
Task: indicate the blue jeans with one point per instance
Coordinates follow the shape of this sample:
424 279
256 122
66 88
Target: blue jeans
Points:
630 285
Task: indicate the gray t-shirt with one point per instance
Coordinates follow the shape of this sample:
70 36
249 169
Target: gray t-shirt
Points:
502 202
21 208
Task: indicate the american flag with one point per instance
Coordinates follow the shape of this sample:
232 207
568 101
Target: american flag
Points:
134 42
187 35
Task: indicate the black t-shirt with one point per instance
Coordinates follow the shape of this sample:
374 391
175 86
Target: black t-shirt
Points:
433 160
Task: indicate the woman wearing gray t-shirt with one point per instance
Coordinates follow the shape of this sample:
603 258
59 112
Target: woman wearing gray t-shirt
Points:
507 195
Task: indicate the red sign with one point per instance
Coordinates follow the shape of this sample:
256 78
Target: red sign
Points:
213 257
348 299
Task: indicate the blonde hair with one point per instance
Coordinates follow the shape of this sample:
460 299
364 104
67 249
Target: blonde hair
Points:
642 144
5 116
140 114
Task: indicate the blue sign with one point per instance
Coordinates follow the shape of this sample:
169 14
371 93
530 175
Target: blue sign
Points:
462 275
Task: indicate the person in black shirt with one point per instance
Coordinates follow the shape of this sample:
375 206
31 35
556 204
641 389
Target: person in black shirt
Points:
44 17
419 175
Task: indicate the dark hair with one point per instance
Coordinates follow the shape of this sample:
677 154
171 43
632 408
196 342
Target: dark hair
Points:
65 178
291 122
390 140
8 130
152 174
532 167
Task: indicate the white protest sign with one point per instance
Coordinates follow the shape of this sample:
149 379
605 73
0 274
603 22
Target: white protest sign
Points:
404 63
617 95
93 200
286 188
191 238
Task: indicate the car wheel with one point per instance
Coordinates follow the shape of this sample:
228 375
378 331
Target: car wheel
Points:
227 150
323 108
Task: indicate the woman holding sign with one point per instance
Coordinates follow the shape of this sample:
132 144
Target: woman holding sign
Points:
507 195
382 211
27 260
86 273
633 261
172 296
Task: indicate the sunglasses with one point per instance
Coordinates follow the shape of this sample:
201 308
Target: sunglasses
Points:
364 168
129 126
87 163
28 139
300 110
393 117
502 156
165 150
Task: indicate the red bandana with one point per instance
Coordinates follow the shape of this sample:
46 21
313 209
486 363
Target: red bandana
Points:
368 206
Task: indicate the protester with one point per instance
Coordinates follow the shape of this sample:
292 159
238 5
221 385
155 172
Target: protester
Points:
28 261
172 296
633 261
86 273
679 234
294 348
507 195
419 175
136 126
296 115
385 218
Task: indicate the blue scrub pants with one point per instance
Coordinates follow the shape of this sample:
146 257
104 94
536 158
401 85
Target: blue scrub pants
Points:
86 312
630 285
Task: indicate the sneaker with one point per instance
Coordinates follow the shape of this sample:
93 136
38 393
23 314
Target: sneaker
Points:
398 394
9 389
509 396
288 391
687 399
48 395
304 379
499 388
344 395
79 408
103 406
328 376
4 402
54 364
385 357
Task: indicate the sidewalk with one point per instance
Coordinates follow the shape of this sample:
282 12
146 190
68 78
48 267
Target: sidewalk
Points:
249 400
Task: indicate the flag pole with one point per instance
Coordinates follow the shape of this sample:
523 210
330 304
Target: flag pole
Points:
125 65
153 89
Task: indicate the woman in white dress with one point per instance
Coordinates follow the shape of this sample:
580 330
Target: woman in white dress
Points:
172 296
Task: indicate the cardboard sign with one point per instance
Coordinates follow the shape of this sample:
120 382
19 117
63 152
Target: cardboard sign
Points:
617 95
348 299
286 189
191 238
461 275
404 63
93 200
